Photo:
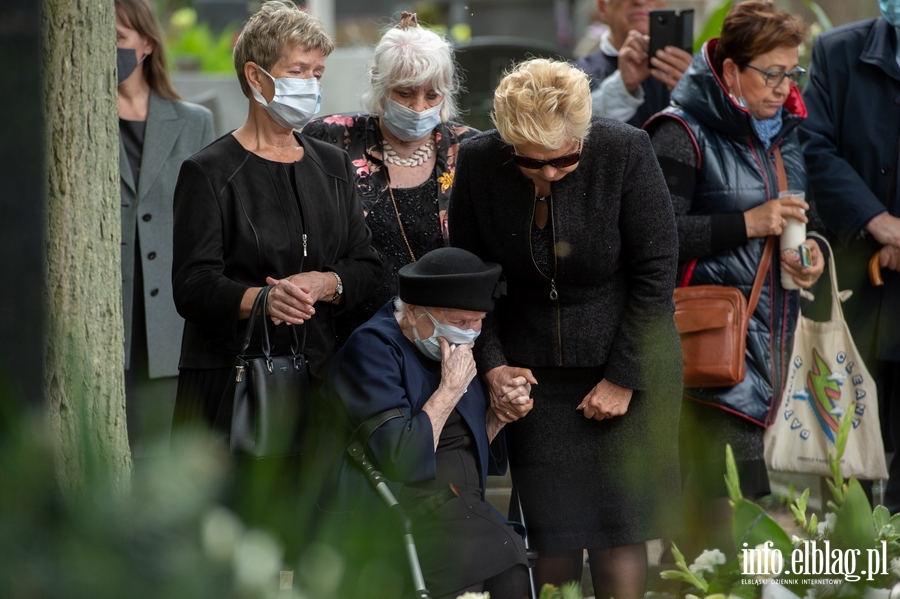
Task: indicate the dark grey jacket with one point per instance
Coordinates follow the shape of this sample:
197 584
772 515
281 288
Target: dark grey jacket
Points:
616 255
175 131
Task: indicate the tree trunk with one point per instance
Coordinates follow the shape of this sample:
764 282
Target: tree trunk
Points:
84 354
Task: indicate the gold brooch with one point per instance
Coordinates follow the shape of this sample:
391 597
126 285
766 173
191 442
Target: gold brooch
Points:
446 180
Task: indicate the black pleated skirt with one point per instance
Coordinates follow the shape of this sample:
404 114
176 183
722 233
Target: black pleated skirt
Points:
199 396
591 484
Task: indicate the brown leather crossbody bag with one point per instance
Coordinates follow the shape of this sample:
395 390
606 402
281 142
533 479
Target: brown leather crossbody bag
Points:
712 321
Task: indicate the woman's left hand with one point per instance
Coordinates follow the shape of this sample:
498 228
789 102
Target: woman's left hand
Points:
806 276
288 302
606 400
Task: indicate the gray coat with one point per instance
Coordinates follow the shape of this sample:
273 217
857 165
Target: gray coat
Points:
175 131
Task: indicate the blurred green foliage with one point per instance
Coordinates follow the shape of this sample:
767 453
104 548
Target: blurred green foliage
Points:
193 46
167 537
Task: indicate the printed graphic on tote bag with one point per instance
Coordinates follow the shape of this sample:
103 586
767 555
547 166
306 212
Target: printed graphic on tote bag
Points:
824 396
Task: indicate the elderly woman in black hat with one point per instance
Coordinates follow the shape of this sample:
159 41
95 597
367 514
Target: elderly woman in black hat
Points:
415 354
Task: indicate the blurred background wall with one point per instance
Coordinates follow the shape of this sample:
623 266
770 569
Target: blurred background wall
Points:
488 33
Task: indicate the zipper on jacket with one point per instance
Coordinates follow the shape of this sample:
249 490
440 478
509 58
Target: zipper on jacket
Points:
304 244
554 294
777 296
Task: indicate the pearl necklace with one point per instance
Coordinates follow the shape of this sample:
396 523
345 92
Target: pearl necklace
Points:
417 158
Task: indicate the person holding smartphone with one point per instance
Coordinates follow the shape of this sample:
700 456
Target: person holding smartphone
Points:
626 84
733 118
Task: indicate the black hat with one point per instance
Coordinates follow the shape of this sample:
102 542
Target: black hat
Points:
452 278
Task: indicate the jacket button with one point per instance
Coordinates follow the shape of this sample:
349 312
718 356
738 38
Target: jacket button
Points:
146 218
885 170
154 293
151 256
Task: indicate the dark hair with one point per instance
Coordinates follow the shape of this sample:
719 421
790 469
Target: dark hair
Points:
138 14
754 28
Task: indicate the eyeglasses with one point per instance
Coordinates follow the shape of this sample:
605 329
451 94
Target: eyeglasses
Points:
774 78
560 162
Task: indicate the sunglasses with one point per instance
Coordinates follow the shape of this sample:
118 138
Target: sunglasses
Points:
534 163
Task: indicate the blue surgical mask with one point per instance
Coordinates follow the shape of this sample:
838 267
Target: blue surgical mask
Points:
890 10
295 100
409 125
455 336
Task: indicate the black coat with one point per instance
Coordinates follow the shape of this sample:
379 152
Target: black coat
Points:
850 144
237 221
616 249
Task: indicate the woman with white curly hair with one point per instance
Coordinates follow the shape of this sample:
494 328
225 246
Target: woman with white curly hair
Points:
404 150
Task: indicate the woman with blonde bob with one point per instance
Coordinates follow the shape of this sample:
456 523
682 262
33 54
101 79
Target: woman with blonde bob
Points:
576 211
404 150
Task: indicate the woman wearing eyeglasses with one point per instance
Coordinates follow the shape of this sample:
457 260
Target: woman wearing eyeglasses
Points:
735 106
576 211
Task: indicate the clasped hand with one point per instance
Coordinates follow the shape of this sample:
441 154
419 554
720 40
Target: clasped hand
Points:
292 299
510 390
606 400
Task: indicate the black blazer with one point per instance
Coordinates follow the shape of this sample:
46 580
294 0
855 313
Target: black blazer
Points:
616 254
237 221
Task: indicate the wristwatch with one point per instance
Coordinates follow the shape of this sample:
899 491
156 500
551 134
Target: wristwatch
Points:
340 287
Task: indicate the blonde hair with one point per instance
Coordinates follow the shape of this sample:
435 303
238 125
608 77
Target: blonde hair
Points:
543 102
275 27
412 56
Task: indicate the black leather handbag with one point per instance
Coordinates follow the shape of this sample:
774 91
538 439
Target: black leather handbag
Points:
265 406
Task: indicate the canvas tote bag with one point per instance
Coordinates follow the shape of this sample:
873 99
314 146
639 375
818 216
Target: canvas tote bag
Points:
826 375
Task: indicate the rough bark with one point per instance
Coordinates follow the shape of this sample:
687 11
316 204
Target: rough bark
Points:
84 353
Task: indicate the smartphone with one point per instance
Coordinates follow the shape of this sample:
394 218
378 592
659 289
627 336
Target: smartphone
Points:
805 256
672 28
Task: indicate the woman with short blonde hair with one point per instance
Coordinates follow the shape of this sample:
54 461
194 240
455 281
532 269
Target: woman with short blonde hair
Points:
543 102
576 211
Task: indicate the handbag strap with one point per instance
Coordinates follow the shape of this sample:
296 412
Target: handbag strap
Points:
258 309
837 297
260 301
766 260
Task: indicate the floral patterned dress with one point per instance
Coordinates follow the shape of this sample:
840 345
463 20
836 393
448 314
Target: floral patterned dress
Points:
422 209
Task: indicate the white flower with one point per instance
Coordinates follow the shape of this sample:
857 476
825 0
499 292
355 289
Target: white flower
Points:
895 567
257 560
475 596
827 526
222 531
796 541
707 561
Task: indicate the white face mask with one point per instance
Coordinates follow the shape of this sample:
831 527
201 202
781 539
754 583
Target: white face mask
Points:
456 336
295 100
409 125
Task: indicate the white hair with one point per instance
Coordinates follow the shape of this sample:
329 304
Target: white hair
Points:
400 307
412 57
